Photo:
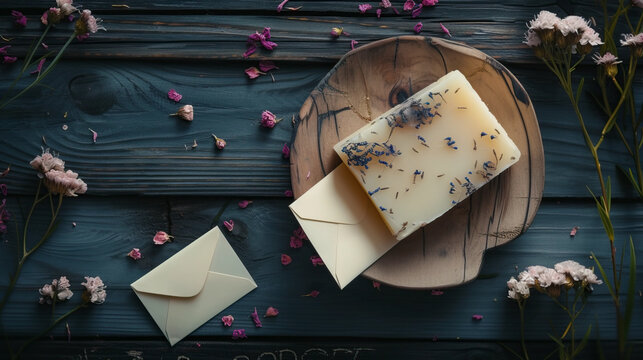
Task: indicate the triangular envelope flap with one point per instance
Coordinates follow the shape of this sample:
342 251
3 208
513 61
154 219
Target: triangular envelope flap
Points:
226 261
185 272
336 198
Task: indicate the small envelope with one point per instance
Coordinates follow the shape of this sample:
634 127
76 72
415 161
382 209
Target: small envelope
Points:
193 285
343 225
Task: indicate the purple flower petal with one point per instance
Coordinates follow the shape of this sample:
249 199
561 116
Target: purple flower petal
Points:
39 67
364 7
173 95
281 5
268 45
251 50
418 27
267 65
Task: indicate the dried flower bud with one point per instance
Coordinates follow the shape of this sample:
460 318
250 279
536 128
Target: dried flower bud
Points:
227 320
218 142
161 238
185 112
268 119
52 16
87 23
271 312
135 254
609 62
66 183
337 32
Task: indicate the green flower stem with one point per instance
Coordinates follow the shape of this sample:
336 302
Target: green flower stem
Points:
521 306
33 50
43 74
48 329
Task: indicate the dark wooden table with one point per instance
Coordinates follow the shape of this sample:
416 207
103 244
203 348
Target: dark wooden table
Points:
142 179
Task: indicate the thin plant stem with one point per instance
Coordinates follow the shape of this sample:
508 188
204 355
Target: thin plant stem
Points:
521 307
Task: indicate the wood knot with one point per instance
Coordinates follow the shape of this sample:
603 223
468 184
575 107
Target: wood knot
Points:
93 93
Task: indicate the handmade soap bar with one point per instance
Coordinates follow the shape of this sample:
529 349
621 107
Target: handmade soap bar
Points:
425 155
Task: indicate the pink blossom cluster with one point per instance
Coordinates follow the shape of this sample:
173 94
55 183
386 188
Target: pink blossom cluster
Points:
568 273
52 170
259 39
58 290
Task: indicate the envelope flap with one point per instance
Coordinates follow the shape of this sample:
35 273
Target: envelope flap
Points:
226 261
184 273
321 205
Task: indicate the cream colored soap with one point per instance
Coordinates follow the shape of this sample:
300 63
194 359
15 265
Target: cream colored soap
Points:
422 157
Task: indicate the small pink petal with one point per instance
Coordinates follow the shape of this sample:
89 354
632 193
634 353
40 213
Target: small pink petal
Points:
73 224
267 65
39 67
353 44
285 259
574 230
239 334
271 312
229 224
378 12
437 292
308 175
312 294
376 285
300 234
295 242
255 319
429 2
418 27
244 203
227 320
364 7
288 193
416 11
408 5
253 72
82 37
251 50
198 345
285 151
316 260
135 254
44 46
9 59
477 317
94 135
173 95
161 238
445 30
281 5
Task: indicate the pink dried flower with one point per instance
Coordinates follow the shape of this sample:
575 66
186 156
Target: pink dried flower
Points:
173 95
238 334
445 30
263 38
285 151
378 12
316 260
437 292
19 19
429 2
376 285
385 4
9 59
52 16
364 7
65 6
416 11
577 272
244 203
338 31
219 142
44 46
271 312
255 319
288 193
312 294
94 135
135 254
65 183
87 23
295 242
252 48
3 50
94 290
229 224
46 162
300 234
408 5
161 238
227 320
599 60
353 44
418 27
285 259
551 277
477 317
268 119
267 65
39 67
58 289
281 5
185 112
253 72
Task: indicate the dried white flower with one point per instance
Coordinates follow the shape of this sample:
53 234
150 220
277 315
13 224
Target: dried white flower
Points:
94 290
545 20
517 289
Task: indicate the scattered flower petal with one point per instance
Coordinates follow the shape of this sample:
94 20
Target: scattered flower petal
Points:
185 112
285 259
194 144
416 11
218 142
316 260
253 72
445 30
82 37
574 230
44 46
268 119
244 203
271 312
300 234
338 31
477 317
294 8
161 238
281 5
295 242
238 334
418 27
227 320
135 254
229 224
408 5
364 7
19 19
378 12
437 292
73 224
267 65
285 151
312 294
173 95
39 67
255 319
6 59
94 135
251 50
262 38
376 285
94 290
429 2
288 193
353 44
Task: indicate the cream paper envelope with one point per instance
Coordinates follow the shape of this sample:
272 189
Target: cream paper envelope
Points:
343 225
193 285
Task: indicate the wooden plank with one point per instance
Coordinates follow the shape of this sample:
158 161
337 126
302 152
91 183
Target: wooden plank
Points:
294 349
140 149
107 228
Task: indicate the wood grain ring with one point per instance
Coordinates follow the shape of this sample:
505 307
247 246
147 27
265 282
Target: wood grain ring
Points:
373 78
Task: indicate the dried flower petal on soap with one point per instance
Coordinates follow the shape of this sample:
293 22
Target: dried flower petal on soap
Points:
229 224
267 65
285 151
161 238
316 260
364 7
312 294
173 95
255 319
135 254
271 312
227 320
285 259
238 334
